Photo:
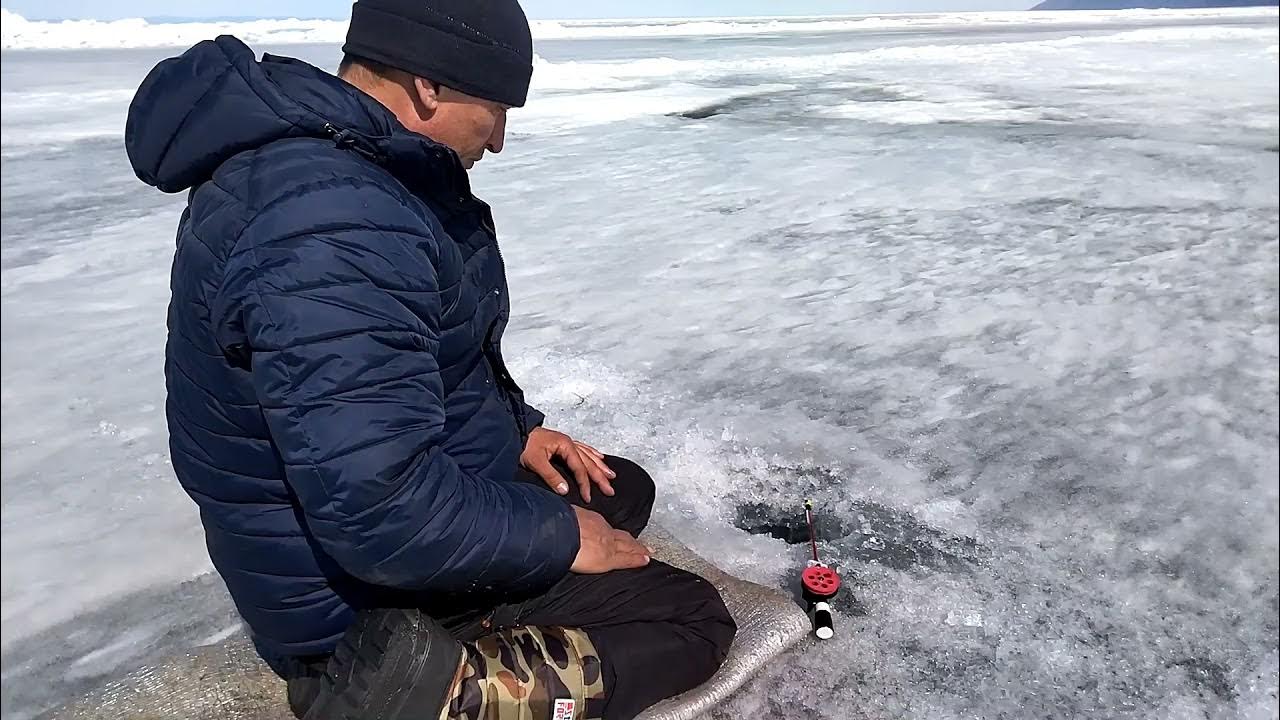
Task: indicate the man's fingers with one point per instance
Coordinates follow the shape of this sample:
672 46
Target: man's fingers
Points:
600 473
628 552
580 473
550 475
623 542
596 457
626 561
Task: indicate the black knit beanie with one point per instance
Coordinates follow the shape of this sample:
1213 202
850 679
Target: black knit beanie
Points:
480 47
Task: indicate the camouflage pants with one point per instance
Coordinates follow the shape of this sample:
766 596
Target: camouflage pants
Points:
529 674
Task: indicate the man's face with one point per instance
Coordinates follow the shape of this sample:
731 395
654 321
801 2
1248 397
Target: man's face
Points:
469 125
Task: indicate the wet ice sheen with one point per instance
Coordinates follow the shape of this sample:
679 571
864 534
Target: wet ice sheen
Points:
1001 300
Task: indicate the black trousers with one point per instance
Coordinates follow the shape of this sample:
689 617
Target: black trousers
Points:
659 630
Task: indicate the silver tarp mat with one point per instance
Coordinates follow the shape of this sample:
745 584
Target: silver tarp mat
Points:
227 681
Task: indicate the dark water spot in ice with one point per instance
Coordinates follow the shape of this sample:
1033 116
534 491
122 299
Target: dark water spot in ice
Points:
1208 675
721 108
706 111
787 102
896 539
872 533
788 526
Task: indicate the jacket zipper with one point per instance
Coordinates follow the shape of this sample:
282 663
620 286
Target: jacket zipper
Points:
515 396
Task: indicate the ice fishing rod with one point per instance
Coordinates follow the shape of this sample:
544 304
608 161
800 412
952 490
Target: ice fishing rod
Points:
818 583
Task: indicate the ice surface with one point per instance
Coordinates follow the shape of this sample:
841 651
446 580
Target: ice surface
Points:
999 292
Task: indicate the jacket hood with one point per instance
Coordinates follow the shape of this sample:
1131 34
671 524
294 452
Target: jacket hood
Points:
216 100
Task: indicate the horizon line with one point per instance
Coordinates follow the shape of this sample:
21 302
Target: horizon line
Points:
251 18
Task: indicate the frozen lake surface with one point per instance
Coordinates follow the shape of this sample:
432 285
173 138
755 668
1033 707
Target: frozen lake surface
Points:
998 291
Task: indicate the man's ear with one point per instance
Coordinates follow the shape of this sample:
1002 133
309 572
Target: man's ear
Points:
427 94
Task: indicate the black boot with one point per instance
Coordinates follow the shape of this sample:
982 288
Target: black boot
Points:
392 664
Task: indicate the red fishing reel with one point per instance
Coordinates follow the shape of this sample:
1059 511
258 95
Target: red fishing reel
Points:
819 582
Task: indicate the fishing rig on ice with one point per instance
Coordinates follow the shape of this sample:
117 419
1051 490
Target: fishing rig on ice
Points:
818 584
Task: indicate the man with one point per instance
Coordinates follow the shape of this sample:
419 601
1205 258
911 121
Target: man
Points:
402 536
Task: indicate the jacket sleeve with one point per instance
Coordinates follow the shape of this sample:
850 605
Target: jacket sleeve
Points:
343 327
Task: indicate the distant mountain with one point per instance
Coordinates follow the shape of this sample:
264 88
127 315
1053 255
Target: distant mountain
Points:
1149 4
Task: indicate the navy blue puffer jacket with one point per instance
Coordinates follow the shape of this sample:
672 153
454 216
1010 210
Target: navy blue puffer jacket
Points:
337 402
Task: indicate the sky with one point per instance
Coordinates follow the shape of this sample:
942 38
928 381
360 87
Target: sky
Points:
546 9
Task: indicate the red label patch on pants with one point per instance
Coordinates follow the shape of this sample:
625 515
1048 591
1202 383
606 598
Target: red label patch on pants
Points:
563 710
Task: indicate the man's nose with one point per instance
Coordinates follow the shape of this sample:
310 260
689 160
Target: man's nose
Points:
498 137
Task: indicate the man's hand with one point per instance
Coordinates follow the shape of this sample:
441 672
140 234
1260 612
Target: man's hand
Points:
602 548
586 463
